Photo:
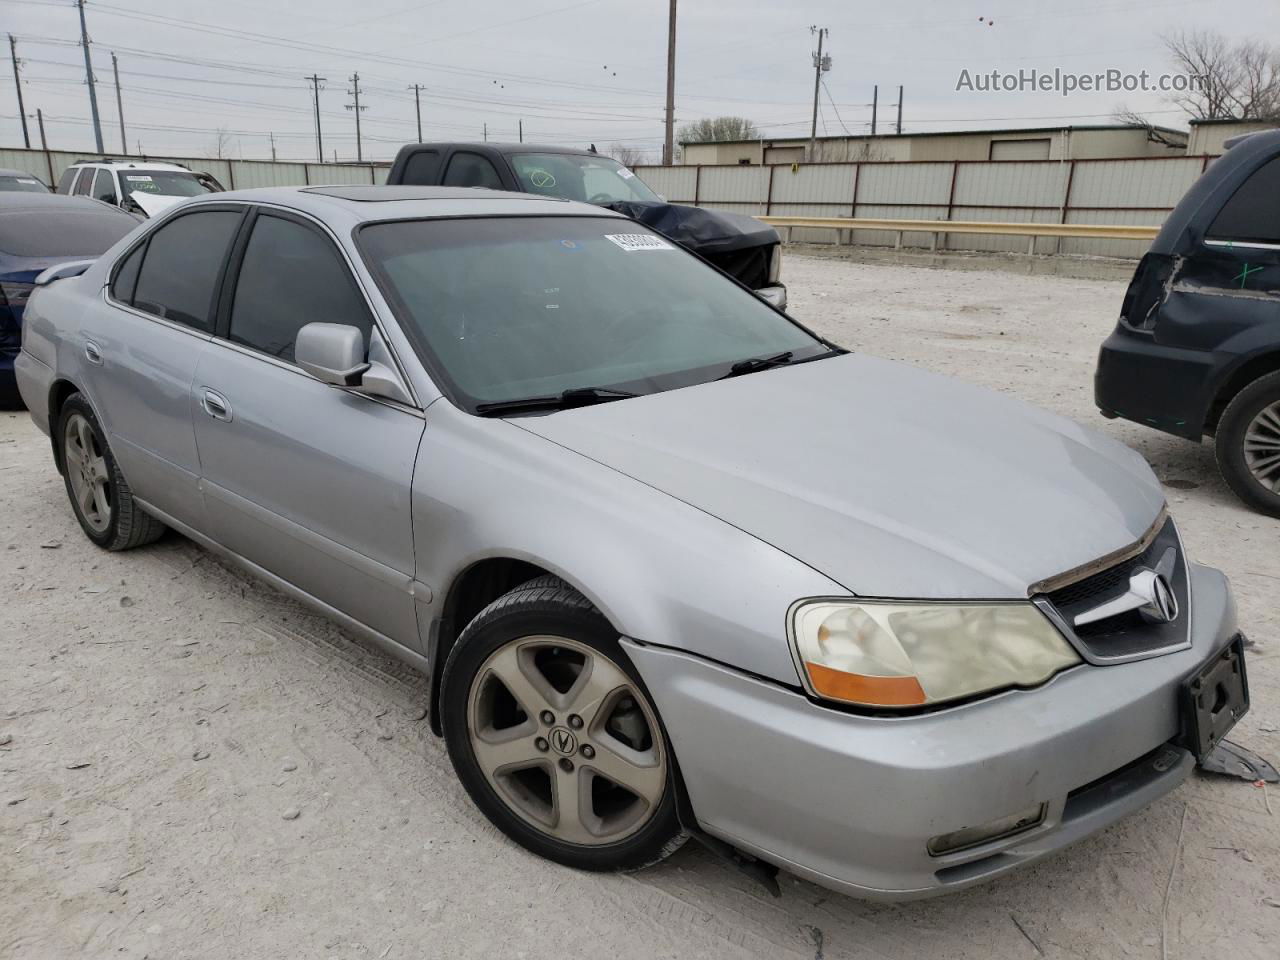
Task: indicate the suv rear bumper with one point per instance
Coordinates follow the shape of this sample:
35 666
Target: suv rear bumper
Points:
1158 386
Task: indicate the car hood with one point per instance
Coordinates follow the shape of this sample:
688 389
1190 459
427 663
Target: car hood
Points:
154 203
890 480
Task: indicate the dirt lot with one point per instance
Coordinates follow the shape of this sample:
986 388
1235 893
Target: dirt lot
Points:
166 714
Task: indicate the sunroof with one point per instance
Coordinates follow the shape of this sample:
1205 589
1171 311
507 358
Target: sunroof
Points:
373 194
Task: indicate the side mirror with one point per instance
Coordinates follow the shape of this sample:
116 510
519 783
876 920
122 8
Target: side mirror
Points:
332 353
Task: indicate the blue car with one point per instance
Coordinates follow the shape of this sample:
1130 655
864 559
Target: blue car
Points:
38 230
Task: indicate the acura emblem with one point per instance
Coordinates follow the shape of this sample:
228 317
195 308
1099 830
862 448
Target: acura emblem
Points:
1149 593
563 741
1161 605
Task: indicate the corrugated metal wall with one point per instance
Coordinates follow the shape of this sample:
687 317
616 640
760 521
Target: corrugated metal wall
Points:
232 174
1138 191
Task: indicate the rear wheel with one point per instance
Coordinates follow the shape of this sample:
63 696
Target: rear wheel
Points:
99 494
1248 444
553 735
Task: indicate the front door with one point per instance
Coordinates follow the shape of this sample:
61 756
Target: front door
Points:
308 481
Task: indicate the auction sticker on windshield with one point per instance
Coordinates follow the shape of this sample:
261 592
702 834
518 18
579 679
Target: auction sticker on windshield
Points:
632 242
137 179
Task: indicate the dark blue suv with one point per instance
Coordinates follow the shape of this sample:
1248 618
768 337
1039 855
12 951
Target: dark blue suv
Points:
1196 352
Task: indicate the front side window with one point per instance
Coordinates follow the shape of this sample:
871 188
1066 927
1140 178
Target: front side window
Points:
592 179
510 308
181 266
1252 215
291 276
104 186
471 170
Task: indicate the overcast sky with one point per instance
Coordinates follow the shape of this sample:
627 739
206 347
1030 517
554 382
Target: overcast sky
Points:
575 71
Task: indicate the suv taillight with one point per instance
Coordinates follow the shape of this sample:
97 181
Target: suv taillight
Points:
1146 291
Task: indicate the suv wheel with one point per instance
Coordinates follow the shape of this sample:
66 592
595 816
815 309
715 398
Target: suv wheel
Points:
99 493
552 733
1248 444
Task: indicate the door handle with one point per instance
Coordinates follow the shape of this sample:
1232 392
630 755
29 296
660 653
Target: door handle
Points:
92 352
215 405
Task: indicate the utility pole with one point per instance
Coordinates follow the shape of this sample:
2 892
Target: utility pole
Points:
521 129
44 144
17 82
355 92
315 82
486 133
273 146
875 102
417 106
899 130
115 70
88 75
821 65
668 145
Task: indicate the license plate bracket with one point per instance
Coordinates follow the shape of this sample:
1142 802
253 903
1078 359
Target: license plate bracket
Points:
1214 699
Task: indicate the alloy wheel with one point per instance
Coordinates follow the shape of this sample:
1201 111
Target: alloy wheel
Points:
88 473
567 740
1262 447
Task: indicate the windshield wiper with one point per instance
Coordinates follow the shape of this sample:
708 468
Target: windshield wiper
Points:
577 397
758 363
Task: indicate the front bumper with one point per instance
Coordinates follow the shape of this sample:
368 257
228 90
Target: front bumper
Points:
851 802
775 295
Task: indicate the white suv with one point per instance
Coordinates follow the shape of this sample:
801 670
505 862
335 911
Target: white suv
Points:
144 187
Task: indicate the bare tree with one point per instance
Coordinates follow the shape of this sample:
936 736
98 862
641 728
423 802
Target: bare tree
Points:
1133 118
1231 81
221 147
626 155
710 129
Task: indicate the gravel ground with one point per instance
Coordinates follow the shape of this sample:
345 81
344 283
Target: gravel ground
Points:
192 765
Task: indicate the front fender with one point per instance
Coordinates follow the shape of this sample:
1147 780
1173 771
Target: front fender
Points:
662 571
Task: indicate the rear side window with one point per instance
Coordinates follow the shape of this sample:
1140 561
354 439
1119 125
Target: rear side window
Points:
291 275
127 276
180 269
1252 215
422 169
68 177
85 182
471 170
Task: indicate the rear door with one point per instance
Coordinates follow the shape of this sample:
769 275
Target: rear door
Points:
308 481
141 346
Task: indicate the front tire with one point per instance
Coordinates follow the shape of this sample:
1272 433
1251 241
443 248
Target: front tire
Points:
553 735
1248 444
100 496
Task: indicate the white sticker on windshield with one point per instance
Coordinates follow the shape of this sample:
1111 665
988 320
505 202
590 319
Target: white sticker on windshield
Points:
625 174
631 242
137 178
25 180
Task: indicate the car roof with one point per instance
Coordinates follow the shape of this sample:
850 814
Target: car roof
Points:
133 165
347 204
510 148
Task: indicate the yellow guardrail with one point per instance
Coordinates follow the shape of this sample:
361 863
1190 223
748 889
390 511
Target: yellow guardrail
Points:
936 227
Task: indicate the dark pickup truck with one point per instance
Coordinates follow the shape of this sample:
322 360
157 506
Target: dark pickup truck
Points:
741 246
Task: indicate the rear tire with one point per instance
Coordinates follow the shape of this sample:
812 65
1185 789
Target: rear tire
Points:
553 735
100 496
1248 444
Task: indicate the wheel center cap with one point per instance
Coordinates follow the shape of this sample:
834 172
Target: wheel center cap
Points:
563 741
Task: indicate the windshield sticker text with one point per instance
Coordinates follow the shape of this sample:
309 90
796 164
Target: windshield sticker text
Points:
633 242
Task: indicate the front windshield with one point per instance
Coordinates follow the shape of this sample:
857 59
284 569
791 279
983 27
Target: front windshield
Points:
594 179
509 308
22 184
167 183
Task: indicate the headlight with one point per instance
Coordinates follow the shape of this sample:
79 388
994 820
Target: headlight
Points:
775 264
899 654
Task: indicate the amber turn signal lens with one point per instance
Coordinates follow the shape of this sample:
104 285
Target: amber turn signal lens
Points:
856 688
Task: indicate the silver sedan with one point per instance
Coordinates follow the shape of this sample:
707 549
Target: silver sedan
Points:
675 565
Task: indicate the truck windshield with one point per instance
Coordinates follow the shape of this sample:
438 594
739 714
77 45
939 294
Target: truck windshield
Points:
594 179
167 183
505 308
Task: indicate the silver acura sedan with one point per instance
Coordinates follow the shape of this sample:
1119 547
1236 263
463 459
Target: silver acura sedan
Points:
675 565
